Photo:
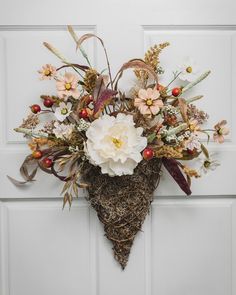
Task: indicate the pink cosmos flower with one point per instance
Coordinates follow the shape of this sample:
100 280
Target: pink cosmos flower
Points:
220 131
47 72
67 85
147 101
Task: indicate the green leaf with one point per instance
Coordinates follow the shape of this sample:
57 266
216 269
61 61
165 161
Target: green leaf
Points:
151 137
205 151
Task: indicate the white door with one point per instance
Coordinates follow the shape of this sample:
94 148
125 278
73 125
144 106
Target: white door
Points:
188 246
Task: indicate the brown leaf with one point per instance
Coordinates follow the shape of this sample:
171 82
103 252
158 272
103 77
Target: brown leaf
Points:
83 185
29 161
80 67
183 109
16 182
66 199
85 37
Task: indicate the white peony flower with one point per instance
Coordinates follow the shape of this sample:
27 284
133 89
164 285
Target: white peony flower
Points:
189 70
63 131
115 144
63 111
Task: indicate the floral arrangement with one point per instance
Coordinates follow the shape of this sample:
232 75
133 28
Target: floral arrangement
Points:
114 144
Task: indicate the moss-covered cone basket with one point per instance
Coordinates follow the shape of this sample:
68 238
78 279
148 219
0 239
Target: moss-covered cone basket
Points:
122 203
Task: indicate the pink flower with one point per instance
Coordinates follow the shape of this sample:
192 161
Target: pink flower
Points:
147 101
67 85
220 131
47 72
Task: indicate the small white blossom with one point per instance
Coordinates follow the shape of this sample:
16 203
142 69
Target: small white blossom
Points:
63 111
73 149
189 70
171 138
63 131
171 110
83 125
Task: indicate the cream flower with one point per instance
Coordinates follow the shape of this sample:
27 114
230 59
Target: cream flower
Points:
220 131
63 111
194 125
189 70
47 72
193 143
115 144
63 131
67 85
208 164
147 101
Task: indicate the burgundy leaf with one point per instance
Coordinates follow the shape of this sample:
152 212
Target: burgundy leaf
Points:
172 167
103 99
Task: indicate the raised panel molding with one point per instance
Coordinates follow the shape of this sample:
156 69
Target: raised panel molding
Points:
191 243
213 47
4 262
41 243
21 55
195 228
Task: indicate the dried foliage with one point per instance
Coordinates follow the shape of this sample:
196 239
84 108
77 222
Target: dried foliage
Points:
152 59
169 152
30 122
90 79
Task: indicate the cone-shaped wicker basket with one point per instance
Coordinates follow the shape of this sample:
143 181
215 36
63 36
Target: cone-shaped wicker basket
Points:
122 203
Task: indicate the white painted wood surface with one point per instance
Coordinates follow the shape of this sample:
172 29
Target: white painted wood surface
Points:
188 245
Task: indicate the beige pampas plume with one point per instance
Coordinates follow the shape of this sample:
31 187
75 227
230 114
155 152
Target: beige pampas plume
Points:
55 51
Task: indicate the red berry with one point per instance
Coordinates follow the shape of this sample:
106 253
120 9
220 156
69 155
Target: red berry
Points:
176 91
47 162
35 108
148 153
83 114
37 154
48 102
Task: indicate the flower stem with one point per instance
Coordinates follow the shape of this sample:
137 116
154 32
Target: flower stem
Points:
31 132
175 77
209 130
